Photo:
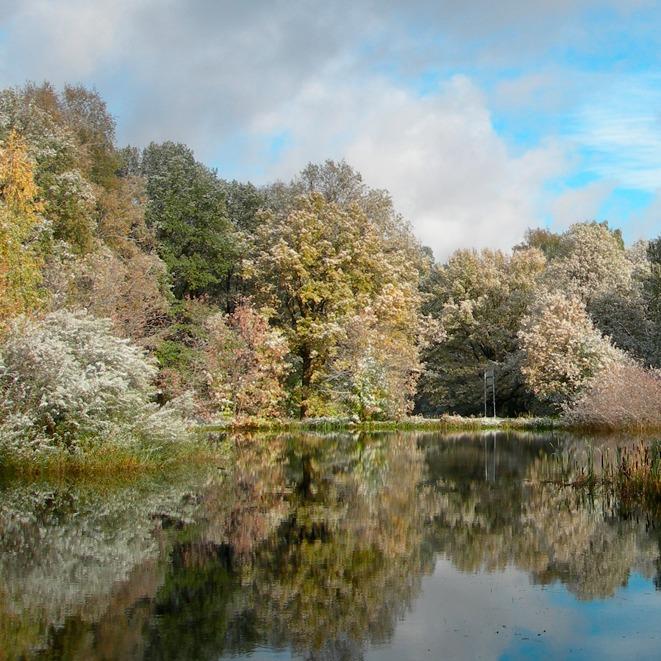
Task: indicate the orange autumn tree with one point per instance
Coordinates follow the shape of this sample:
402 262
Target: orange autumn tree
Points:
20 273
245 363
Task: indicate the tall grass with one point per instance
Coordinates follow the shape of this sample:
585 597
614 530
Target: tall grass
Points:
631 473
110 459
636 474
627 397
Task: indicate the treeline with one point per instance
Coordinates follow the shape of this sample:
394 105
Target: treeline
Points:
307 298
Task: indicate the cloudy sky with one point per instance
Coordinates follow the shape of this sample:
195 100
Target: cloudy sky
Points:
482 118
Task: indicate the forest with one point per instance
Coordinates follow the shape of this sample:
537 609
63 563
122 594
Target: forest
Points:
140 292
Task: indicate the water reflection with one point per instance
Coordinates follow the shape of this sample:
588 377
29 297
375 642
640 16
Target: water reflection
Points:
317 547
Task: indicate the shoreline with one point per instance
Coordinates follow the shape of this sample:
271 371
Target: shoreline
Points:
443 423
209 442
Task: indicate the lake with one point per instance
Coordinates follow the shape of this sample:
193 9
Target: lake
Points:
335 547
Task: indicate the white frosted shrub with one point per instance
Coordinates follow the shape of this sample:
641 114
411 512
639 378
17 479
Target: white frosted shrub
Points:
561 350
66 378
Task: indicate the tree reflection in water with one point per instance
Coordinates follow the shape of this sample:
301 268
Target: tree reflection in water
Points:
316 544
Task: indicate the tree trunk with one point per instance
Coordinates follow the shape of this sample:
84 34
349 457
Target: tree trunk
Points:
306 379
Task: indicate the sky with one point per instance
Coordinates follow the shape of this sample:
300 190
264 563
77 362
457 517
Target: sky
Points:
481 118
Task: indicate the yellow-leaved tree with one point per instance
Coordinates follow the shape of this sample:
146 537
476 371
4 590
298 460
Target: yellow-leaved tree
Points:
20 273
327 273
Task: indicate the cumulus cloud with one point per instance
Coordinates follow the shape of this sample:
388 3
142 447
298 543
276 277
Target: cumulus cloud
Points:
579 204
449 172
338 80
198 68
646 223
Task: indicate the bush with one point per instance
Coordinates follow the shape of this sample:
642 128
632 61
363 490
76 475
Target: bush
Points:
561 349
66 380
245 363
626 396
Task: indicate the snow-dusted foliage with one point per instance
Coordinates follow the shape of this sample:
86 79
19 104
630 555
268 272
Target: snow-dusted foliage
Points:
592 260
561 348
66 380
626 396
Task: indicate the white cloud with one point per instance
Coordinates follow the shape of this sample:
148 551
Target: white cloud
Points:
579 204
647 223
234 73
448 171
619 126
66 41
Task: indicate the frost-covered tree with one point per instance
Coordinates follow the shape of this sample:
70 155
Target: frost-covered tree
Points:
69 201
624 313
67 380
374 371
561 348
132 291
479 299
652 298
591 260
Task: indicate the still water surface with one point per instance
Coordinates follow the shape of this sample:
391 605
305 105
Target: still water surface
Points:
334 547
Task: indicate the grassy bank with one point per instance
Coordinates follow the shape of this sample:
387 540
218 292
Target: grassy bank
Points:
443 423
116 460
209 445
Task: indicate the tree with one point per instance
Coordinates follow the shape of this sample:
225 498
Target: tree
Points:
69 202
623 312
186 209
374 371
339 184
131 291
479 299
592 260
320 265
87 116
548 242
20 274
243 202
245 363
561 348
652 298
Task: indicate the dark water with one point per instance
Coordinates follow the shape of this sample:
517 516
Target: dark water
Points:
400 546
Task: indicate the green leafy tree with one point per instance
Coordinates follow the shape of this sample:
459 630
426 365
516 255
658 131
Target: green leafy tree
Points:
244 202
186 209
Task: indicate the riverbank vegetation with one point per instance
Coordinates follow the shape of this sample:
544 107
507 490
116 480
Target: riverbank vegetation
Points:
142 294
629 473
